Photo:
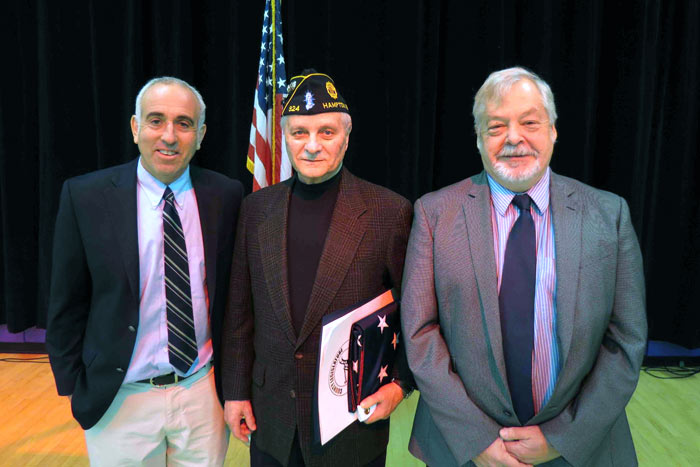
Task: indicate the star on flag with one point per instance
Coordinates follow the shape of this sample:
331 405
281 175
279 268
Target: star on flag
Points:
395 342
382 373
382 324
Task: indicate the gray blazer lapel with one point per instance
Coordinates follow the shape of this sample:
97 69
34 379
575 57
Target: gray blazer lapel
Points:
344 235
477 214
272 238
121 206
567 215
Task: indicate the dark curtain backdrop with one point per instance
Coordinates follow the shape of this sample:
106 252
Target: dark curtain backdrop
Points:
625 76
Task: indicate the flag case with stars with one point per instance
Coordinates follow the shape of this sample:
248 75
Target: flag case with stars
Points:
330 406
372 352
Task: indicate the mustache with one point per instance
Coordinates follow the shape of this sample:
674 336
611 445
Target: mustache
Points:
516 150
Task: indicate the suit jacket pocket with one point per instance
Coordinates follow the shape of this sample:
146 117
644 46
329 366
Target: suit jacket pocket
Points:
598 254
258 373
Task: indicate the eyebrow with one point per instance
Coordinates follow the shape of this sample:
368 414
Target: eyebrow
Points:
528 112
524 114
179 117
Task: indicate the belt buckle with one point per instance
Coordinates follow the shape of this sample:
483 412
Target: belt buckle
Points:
157 385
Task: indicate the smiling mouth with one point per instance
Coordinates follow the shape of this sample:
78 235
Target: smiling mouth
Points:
165 152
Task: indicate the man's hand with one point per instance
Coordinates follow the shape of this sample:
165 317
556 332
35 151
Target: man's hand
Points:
240 419
528 444
387 398
496 456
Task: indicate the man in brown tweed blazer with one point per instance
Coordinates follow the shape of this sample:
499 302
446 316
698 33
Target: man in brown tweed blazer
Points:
321 241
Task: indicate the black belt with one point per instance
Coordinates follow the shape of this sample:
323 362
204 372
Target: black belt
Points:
164 380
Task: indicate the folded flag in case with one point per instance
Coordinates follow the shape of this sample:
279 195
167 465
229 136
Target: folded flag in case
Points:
372 353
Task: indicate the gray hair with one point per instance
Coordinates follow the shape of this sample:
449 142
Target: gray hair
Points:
201 114
345 119
497 85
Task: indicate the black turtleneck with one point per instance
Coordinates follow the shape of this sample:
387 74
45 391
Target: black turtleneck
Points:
310 211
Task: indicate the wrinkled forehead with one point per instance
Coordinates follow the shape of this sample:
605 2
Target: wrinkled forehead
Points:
321 120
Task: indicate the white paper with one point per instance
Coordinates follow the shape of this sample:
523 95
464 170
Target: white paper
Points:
333 415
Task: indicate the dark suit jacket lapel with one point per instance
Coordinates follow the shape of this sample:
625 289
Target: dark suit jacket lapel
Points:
344 235
207 205
120 202
567 218
477 214
272 236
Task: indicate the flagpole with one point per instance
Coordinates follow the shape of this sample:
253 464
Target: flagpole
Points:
273 133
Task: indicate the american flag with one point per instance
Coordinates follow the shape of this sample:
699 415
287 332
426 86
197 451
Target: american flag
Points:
267 156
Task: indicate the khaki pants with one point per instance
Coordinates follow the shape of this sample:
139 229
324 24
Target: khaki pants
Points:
180 424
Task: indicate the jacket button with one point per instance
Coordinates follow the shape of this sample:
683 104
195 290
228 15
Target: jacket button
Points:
507 413
298 355
131 328
292 394
120 370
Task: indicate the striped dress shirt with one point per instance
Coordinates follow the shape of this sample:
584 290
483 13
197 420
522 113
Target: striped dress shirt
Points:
545 358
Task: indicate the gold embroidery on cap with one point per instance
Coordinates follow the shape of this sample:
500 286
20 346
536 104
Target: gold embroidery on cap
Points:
331 90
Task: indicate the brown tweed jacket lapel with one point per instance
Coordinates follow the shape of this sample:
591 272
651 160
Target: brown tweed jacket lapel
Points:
344 235
272 233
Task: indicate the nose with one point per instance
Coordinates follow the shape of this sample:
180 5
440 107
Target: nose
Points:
513 136
312 146
168 136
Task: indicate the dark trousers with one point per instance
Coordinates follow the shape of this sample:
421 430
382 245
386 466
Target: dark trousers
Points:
260 458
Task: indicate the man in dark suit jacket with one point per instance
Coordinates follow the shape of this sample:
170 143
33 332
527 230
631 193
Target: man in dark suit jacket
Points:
110 330
319 242
485 397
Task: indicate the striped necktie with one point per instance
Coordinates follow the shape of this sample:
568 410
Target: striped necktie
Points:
516 301
182 343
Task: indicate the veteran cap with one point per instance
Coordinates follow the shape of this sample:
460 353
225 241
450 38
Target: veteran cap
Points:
313 93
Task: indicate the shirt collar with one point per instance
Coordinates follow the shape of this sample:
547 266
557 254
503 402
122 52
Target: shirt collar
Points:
154 188
501 197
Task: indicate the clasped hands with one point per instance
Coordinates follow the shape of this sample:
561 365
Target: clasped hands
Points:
240 419
517 446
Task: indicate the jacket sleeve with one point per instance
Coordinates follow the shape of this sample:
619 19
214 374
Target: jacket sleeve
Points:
237 352
69 299
396 255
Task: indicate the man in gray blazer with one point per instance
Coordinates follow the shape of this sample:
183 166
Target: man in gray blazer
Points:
523 305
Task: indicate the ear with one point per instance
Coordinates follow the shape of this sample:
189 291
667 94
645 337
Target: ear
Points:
135 129
200 135
347 136
553 132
